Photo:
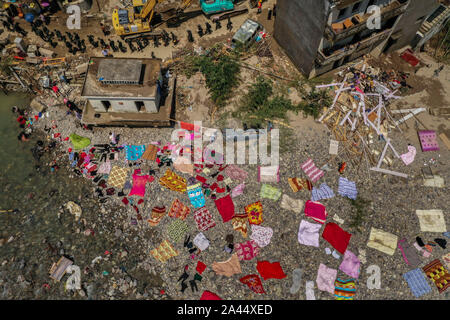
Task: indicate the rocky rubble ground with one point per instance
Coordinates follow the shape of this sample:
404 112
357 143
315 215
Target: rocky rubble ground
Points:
127 270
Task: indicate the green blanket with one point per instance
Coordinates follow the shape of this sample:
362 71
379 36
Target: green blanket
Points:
79 142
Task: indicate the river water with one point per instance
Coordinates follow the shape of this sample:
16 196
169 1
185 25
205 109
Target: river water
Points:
40 232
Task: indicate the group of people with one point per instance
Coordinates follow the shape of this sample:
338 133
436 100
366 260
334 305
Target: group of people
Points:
24 135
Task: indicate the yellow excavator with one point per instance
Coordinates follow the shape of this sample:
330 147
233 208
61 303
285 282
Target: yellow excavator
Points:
138 20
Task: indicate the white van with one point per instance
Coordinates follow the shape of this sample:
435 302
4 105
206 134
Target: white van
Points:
246 33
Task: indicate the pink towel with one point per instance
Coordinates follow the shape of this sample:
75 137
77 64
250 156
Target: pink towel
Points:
238 190
316 211
350 264
408 157
325 278
312 171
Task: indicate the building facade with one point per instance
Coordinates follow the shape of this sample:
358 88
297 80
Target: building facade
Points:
123 85
322 35
127 91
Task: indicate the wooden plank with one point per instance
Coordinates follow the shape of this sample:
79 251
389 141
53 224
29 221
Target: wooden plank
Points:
398 174
444 139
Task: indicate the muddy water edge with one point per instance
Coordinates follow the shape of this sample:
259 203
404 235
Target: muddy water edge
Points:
40 231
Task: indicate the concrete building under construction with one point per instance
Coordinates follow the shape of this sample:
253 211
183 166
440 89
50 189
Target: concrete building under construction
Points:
322 35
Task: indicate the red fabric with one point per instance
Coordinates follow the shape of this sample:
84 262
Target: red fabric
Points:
225 206
189 126
316 211
336 236
200 267
410 58
21 120
208 295
201 179
125 200
253 282
269 270
220 190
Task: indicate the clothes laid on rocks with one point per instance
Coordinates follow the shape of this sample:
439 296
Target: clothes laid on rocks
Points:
208 295
79 142
425 253
253 282
150 153
177 229
204 219
269 174
316 211
347 188
289 203
296 280
297 184
117 177
156 216
410 255
139 183
200 267
196 196
201 242
247 250
344 289
225 206
269 270
408 157
270 192
310 290
261 235
336 236
417 282
350 264
173 181
308 233
105 168
312 171
134 153
164 252
325 278
431 220
229 267
179 210
236 173
254 212
438 274
183 165
323 192
446 259
239 223
238 190
383 241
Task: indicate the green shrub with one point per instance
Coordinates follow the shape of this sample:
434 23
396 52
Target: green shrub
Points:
220 70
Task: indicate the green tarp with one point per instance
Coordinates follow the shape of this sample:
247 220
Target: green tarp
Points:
79 142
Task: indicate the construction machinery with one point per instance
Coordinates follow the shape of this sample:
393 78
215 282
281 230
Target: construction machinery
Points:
141 19
134 20
210 7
